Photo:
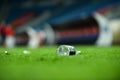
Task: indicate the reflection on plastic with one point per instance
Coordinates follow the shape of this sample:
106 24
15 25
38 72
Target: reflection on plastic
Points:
66 50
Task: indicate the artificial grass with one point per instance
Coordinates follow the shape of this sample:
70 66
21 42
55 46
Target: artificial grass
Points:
94 63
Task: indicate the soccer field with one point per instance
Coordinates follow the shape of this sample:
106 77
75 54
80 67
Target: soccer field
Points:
94 63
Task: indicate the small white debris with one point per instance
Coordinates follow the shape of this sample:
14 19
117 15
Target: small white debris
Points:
78 52
6 52
26 52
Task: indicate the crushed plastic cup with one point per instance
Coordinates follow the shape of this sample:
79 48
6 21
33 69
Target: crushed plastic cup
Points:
67 50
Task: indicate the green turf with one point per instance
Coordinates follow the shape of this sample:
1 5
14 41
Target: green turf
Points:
94 63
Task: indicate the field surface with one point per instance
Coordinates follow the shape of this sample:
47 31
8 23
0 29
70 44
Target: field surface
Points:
94 63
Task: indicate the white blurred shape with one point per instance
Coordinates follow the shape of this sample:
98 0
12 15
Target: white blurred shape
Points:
105 34
6 52
26 52
33 38
10 41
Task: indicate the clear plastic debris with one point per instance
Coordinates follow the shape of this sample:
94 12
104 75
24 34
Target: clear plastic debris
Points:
66 50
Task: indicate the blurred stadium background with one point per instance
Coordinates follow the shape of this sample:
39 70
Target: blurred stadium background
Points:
85 24
46 22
